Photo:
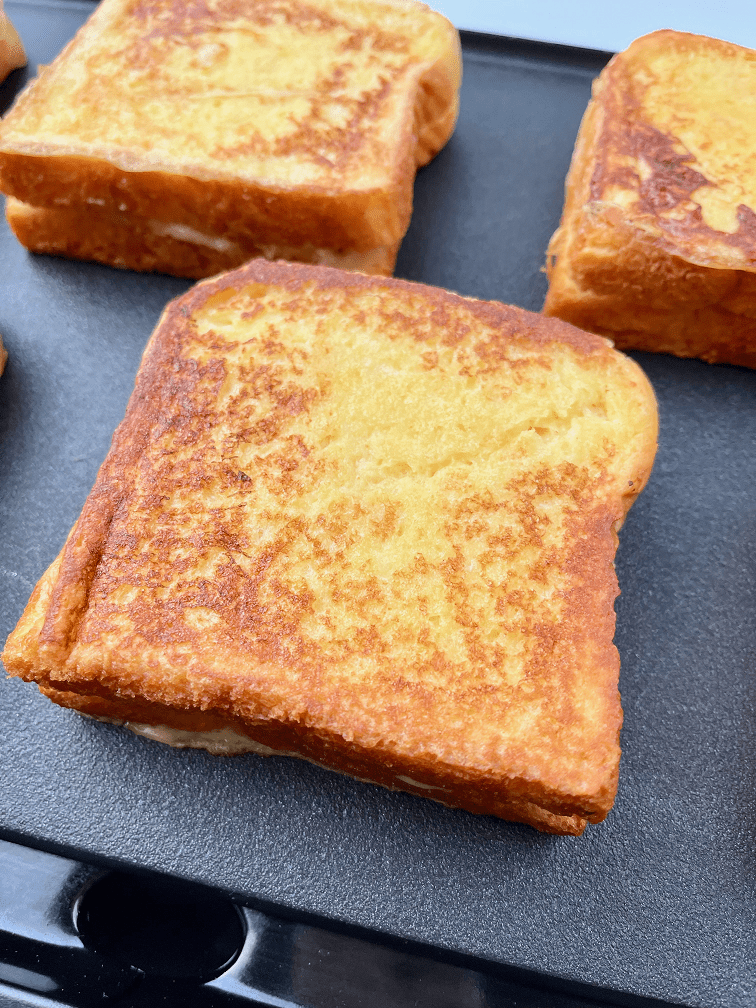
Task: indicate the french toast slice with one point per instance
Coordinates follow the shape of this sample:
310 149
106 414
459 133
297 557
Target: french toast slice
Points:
12 55
281 127
657 244
364 522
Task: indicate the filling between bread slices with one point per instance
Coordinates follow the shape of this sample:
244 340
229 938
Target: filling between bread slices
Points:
227 742
376 260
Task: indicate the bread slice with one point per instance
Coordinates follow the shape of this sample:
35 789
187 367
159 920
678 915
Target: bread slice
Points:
283 128
12 53
121 240
365 522
657 244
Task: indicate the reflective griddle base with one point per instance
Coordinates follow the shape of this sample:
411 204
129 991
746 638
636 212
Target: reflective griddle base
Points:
656 902
81 936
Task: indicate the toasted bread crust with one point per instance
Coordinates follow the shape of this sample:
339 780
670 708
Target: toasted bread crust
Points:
240 212
327 164
126 242
657 243
434 605
330 752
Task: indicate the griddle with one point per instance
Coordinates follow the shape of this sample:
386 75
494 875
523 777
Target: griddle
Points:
657 902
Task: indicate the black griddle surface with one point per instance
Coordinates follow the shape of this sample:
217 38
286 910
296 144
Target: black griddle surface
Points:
659 900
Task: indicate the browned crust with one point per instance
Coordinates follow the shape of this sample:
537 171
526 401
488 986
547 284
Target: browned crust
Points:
618 282
127 242
68 590
641 275
330 751
41 646
243 212
101 699
247 211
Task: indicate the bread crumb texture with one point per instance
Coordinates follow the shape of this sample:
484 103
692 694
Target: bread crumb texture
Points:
366 517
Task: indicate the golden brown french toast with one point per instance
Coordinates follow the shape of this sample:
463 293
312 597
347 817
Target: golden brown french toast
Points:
278 128
657 244
364 522
12 53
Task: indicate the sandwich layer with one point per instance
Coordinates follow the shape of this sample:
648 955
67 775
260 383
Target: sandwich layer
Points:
277 123
367 522
123 241
657 244
227 739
